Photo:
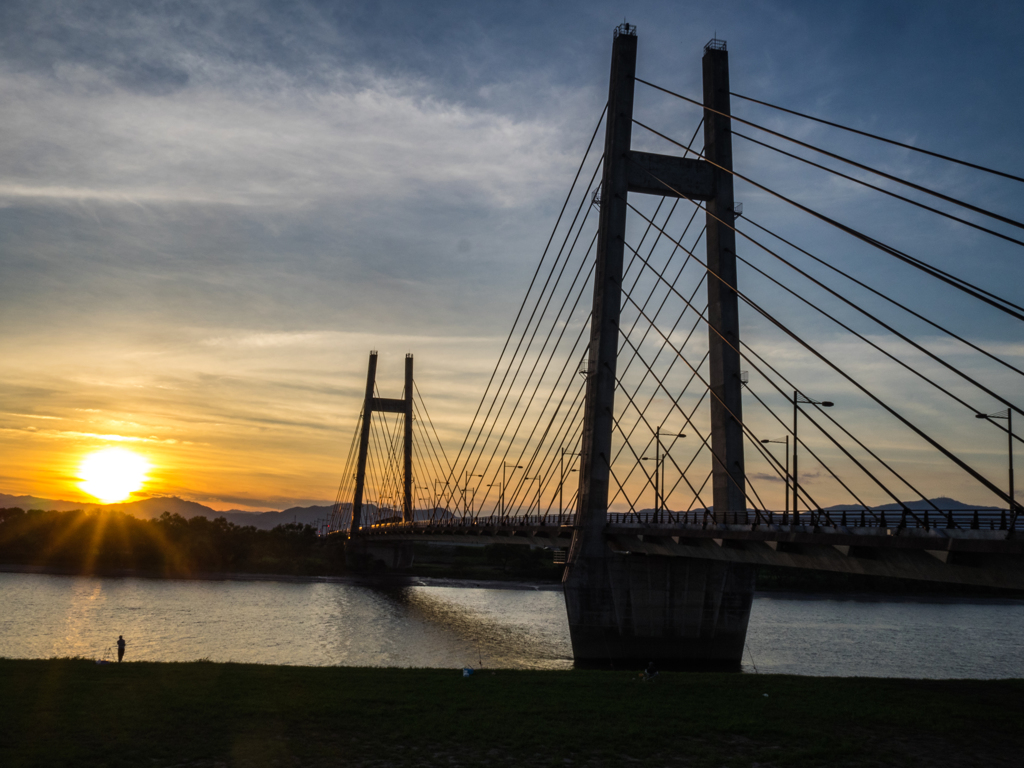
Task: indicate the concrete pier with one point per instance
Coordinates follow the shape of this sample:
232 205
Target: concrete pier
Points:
625 608
678 612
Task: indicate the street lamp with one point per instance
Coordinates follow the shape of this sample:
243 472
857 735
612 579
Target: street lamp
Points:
1008 415
465 492
437 496
785 514
561 478
798 398
659 462
529 506
490 485
423 497
503 482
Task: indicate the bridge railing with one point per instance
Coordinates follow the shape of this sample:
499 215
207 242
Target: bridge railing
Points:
948 519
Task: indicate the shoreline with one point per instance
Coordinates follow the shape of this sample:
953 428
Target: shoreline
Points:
412 580
397 580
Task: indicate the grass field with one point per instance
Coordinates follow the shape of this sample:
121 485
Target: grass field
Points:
77 713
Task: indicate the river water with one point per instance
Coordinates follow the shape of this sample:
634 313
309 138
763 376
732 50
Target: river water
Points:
331 622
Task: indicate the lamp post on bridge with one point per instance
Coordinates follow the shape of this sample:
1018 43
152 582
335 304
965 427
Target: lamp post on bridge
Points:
1008 415
798 399
424 497
529 506
659 466
492 485
465 493
785 440
503 483
561 478
437 496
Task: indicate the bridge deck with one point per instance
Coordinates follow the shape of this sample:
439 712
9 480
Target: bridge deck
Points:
984 556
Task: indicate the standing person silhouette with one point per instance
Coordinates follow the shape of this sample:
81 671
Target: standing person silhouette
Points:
120 648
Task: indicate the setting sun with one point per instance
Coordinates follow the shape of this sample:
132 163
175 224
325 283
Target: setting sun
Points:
112 474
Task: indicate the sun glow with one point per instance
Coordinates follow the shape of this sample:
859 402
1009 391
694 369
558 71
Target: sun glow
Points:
112 474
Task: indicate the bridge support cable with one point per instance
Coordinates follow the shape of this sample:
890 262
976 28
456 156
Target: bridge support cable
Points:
650 296
716 458
533 464
544 297
555 387
705 441
395 462
392 487
882 138
673 360
815 456
515 323
687 416
627 333
436 440
960 463
855 164
952 368
678 351
884 191
557 320
440 466
853 305
385 484
501 438
529 469
675 249
342 499
891 301
566 432
998 302
683 471
920 433
430 465
811 502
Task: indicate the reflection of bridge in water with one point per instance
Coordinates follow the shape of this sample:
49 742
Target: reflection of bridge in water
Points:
601 393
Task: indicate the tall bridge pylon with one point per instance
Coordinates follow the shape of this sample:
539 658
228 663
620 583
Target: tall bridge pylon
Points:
373 404
671 609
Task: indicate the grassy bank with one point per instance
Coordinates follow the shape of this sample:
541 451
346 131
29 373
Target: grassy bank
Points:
73 712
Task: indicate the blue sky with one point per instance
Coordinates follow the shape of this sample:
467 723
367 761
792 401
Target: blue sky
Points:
210 212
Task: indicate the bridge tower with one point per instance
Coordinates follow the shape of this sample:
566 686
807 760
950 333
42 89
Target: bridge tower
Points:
394 556
637 608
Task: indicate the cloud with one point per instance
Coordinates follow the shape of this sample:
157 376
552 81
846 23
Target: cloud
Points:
259 138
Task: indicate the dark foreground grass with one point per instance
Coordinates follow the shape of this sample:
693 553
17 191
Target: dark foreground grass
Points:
78 713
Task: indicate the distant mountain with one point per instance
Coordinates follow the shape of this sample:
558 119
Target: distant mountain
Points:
943 502
34 502
149 509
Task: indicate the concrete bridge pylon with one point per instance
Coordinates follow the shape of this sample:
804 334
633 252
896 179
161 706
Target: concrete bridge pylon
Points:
359 551
623 607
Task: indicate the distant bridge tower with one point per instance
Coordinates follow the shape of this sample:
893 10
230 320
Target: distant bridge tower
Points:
655 607
373 404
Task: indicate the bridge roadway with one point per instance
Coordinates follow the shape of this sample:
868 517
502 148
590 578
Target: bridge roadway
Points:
909 548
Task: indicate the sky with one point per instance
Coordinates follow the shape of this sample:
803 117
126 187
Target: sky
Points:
211 212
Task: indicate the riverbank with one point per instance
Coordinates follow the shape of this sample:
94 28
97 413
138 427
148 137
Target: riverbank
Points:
377 579
76 712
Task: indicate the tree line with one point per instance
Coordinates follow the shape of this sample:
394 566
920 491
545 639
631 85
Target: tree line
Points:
89 542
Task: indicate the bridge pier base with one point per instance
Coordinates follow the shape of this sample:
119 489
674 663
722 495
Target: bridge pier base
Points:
361 555
678 612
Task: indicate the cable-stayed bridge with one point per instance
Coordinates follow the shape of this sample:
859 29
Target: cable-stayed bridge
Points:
631 426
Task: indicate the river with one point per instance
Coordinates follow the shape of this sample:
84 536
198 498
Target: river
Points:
332 622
